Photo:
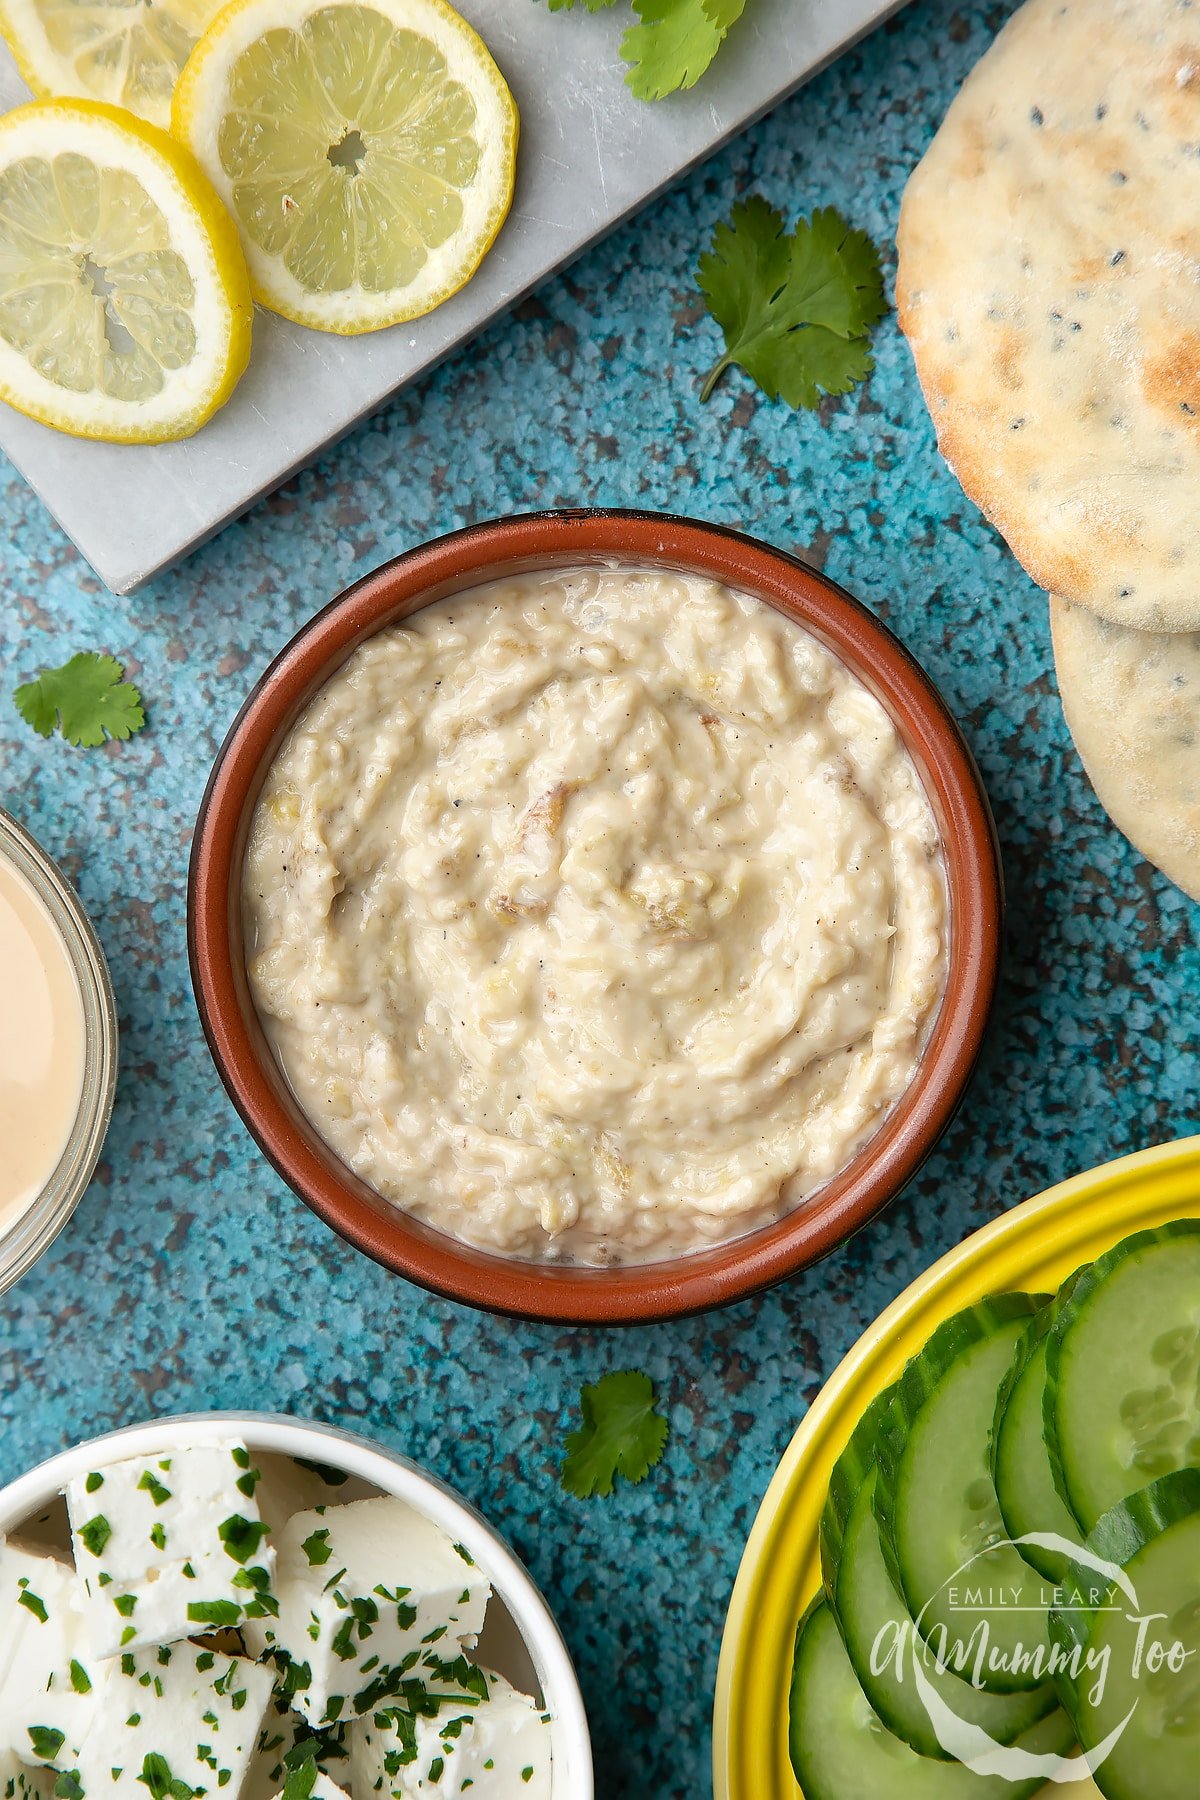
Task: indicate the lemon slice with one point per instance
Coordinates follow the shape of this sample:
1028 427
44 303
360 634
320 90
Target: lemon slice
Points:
128 52
124 302
366 151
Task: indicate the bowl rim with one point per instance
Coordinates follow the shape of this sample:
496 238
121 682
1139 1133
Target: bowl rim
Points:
564 1293
397 1476
1031 1247
29 1234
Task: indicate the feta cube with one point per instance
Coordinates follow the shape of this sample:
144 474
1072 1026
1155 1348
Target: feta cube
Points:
19 1782
283 1732
501 1746
49 1679
287 1486
170 1545
181 1713
366 1593
322 1789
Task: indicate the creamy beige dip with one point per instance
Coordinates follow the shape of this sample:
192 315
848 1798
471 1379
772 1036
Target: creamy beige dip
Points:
596 915
41 1046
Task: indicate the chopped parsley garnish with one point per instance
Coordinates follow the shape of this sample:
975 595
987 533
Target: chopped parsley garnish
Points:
46 1742
80 1680
95 1534
158 1535
330 1476
795 309
95 1480
31 1602
151 1485
303 1778
214 1612
85 697
621 1434
316 1547
241 1537
156 1775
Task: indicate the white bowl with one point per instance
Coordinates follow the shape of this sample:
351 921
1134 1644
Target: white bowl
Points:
520 1637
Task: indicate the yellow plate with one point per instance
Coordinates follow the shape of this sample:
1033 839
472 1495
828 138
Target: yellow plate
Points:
1035 1246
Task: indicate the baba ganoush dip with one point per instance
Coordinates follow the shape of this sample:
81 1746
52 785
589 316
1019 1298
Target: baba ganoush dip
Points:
595 916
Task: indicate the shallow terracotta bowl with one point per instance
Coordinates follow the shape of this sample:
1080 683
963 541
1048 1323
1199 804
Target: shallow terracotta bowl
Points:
567 1293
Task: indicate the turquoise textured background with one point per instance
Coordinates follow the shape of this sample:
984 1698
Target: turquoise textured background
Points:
191 1278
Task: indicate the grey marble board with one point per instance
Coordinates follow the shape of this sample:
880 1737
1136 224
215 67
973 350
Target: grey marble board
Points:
590 155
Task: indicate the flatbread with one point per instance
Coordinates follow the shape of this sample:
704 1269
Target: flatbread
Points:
1049 285
1132 700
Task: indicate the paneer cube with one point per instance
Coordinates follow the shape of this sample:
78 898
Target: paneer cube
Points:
287 1486
366 1593
181 1714
500 1746
169 1546
50 1681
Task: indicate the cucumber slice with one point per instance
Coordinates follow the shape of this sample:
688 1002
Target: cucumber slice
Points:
874 1622
970 1593
1030 1503
840 1751
1154 1536
1123 1371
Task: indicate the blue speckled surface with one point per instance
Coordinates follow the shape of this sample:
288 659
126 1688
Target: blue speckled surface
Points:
191 1278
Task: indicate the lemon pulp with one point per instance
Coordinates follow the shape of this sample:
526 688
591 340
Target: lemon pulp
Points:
91 292
125 309
348 146
366 151
126 52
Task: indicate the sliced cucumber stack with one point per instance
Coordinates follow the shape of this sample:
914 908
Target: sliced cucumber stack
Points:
1123 1371
876 1628
841 1751
969 1592
1030 1503
1134 1646
1019 1419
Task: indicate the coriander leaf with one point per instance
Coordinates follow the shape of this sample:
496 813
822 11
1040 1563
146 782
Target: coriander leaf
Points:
87 696
834 278
621 1434
842 363
794 309
672 46
724 13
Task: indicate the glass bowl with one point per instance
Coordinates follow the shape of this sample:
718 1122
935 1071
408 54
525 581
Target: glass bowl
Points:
33 1230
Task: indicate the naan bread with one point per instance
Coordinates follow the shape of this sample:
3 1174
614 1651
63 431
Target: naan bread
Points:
1049 285
1132 700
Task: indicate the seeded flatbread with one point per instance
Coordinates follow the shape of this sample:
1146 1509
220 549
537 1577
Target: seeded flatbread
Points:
1132 700
1049 285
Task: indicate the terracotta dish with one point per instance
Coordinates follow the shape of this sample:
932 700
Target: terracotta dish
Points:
568 1293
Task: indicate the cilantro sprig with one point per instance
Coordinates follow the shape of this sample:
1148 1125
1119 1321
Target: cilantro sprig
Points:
795 308
621 1434
673 42
86 698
